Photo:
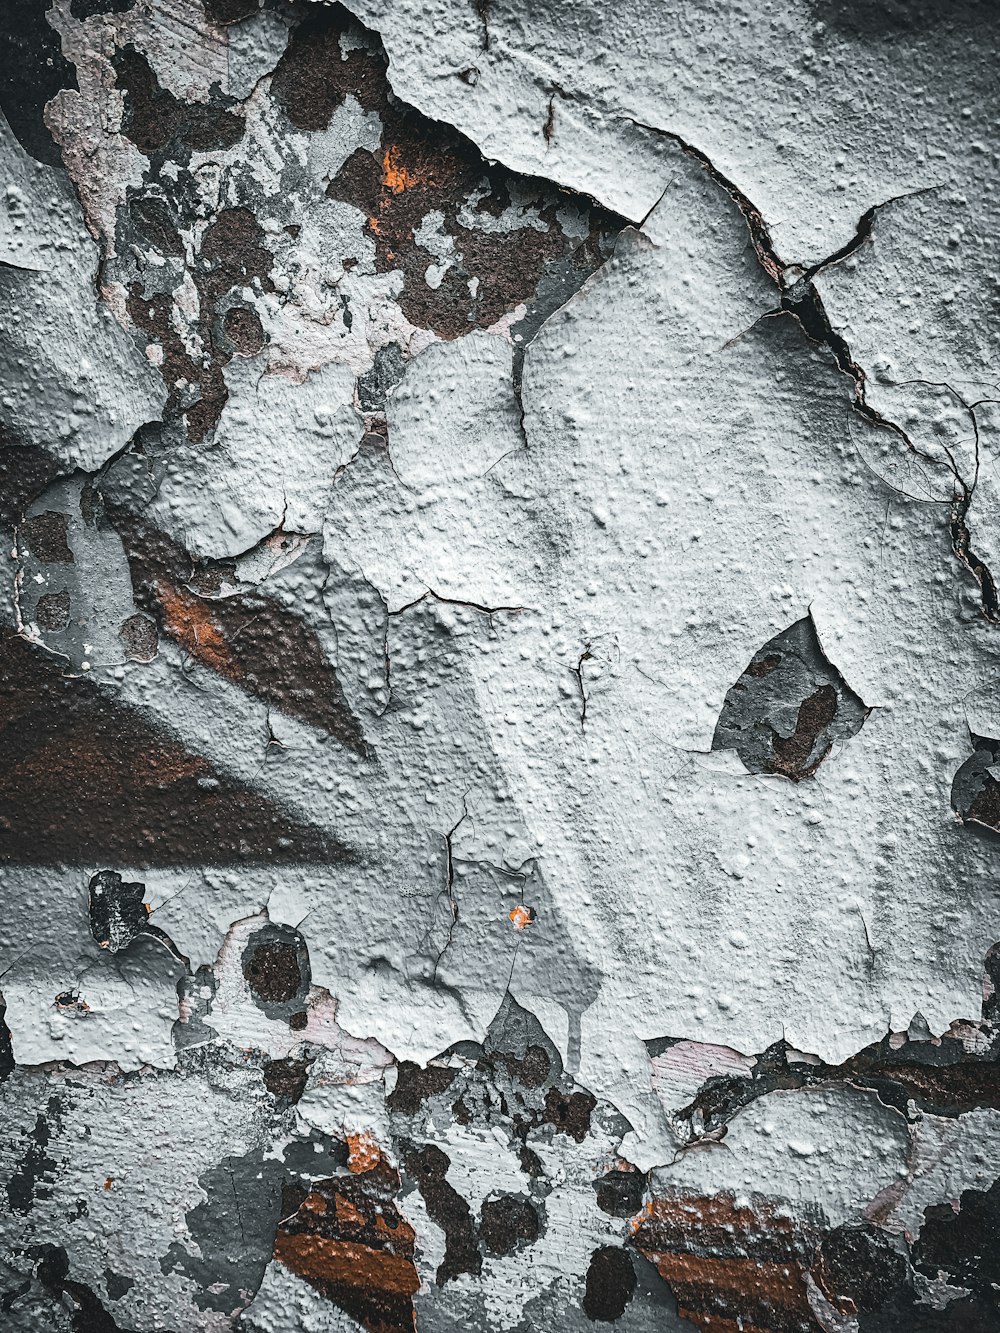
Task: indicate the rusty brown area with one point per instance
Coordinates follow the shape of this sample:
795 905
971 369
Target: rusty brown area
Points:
346 1237
249 638
731 1265
85 779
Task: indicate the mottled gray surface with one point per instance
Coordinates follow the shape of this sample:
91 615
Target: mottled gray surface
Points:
500 760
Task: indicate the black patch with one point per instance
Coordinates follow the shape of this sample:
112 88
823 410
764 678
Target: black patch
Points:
788 707
32 70
385 374
610 1284
28 1180
88 9
893 18
964 1245
117 1284
234 1230
619 1193
88 1312
858 1264
508 1223
7 1062
117 910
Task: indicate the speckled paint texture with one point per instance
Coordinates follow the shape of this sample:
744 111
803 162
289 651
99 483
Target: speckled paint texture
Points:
499 666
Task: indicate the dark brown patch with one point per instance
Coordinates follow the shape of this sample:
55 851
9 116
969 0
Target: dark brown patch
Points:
52 610
789 672
313 76
792 756
610 1284
224 12
271 968
286 1078
569 1112
346 1237
243 328
418 167
533 1070
85 779
428 1167
46 537
155 119
25 472
138 634
507 1223
232 255
414 1085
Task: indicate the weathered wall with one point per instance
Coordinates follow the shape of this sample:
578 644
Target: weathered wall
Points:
500 758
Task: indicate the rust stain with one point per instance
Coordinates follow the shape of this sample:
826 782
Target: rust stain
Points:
364 1153
348 1240
189 621
396 175
521 916
318 1259
730 1266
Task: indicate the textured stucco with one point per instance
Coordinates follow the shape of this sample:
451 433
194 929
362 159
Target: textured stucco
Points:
499 686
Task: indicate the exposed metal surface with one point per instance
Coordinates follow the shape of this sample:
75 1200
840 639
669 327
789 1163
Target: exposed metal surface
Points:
500 765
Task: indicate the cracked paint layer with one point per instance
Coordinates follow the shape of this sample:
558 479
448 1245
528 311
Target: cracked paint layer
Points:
500 766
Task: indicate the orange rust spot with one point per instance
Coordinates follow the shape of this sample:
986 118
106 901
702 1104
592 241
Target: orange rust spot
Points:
363 1153
521 916
313 1203
395 175
188 620
346 1211
318 1259
108 1182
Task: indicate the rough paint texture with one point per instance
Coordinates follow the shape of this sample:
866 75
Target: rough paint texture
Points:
499 677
